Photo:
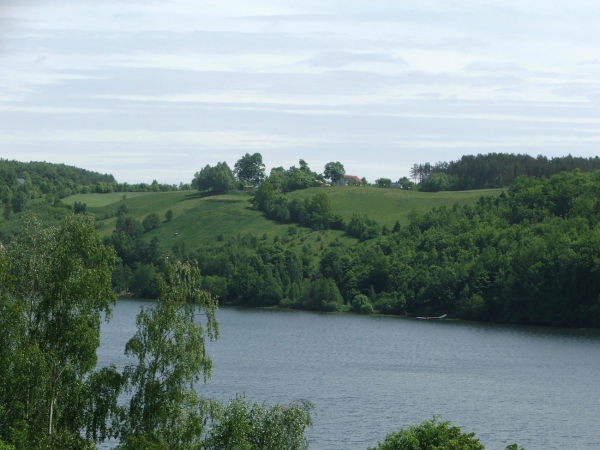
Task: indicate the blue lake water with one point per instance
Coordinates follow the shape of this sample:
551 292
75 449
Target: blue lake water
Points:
368 376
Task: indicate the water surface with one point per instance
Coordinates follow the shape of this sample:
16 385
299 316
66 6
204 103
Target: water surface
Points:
368 376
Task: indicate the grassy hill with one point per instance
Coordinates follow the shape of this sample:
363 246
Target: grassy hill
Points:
198 220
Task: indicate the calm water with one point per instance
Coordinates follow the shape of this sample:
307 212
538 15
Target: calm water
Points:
368 376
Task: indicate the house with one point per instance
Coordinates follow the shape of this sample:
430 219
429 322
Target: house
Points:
352 177
349 180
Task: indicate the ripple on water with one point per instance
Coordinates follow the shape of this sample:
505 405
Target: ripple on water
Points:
368 376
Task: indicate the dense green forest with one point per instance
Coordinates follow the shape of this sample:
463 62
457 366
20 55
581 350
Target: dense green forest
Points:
494 170
529 256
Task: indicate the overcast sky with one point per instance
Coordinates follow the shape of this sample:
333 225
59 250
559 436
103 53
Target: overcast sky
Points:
157 89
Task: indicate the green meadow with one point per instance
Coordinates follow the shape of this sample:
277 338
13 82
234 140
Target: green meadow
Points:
390 205
98 200
199 220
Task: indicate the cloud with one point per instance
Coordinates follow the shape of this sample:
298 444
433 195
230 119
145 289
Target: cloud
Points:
493 66
337 59
590 91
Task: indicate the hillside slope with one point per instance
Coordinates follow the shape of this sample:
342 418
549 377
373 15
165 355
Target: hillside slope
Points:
199 220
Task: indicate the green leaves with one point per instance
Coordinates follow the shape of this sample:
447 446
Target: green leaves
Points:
215 179
55 288
430 435
242 425
250 168
334 171
169 347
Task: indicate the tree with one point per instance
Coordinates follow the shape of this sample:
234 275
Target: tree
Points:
320 210
169 345
19 201
215 179
430 434
150 222
405 183
383 182
334 171
435 183
242 425
79 208
414 172
361 304
55 287
143 281
250 168
169 215
322 294
7 210
264 196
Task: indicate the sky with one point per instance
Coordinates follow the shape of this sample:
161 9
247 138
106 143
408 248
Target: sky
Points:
151 90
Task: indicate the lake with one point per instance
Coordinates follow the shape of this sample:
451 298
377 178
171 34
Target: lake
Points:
368 376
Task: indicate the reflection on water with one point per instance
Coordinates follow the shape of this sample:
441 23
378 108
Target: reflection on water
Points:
368 376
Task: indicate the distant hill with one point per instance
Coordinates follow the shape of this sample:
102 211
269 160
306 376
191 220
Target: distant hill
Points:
48 178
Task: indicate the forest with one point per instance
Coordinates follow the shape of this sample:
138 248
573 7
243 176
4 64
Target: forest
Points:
493 170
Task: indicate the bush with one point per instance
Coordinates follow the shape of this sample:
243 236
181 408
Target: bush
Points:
322 294
430 435
243 425
362 305
151 222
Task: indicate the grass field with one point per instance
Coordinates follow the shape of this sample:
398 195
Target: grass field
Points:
388 205
200 220
98 200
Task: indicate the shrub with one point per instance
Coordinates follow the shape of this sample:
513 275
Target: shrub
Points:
430 434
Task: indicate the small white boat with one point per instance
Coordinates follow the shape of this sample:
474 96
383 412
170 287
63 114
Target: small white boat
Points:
431 318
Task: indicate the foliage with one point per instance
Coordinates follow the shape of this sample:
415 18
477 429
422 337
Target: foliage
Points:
363 228
46 178
334 171
430 435
295 178
169 346
250 168
362 305
169 215
150 222
321 294
526 257
405 183
54 291
217 179
437 182
316 212
241 425
383 182
494 170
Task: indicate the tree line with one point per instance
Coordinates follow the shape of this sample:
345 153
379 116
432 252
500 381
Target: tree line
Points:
249 173
494 170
